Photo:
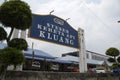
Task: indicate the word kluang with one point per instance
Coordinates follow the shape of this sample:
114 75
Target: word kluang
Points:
55 33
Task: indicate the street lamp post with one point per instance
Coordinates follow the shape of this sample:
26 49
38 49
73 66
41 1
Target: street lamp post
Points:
67 19
51 12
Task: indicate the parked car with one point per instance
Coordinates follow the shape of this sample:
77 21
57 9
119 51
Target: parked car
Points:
99 70
116 71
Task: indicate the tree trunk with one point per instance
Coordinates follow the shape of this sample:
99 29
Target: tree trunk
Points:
3 70
8 38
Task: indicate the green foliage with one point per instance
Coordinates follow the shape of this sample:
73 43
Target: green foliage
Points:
118 59
115 66
111 60
16 14
115 59
11 56
18 43
112 52
3 34
13 14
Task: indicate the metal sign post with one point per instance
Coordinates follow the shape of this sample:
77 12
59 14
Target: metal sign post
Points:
82 51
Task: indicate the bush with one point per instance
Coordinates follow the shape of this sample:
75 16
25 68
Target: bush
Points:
18 43
11 56
16 13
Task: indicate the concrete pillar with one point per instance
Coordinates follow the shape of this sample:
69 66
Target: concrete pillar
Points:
23 34
15 33
82 51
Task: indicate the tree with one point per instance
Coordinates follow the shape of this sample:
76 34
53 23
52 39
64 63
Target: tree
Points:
18 43
10 56
3 34
114 57
13 14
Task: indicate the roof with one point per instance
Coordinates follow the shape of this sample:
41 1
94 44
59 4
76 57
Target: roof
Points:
69 58
59 61
76 53
41 55
38 54
96 62
76 59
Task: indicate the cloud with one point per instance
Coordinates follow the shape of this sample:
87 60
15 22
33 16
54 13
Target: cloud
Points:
107 31
98 18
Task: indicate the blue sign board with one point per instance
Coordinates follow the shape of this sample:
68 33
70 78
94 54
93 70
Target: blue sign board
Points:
53 29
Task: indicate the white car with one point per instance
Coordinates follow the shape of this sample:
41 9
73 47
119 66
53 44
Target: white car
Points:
99 70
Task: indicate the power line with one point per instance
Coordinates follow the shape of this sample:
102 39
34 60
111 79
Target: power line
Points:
107 26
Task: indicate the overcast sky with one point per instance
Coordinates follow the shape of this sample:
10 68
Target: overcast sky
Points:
98 18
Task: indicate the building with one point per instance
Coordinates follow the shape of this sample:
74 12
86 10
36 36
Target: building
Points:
42 61
94 59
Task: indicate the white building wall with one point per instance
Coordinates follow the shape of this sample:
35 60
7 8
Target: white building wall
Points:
23 34
15 33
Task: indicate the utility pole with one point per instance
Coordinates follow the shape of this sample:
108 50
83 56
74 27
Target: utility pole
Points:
32 52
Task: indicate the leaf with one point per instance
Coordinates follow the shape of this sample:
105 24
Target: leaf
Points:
112 60
18 43
11 56
3 34
118 59
16 14
112 52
